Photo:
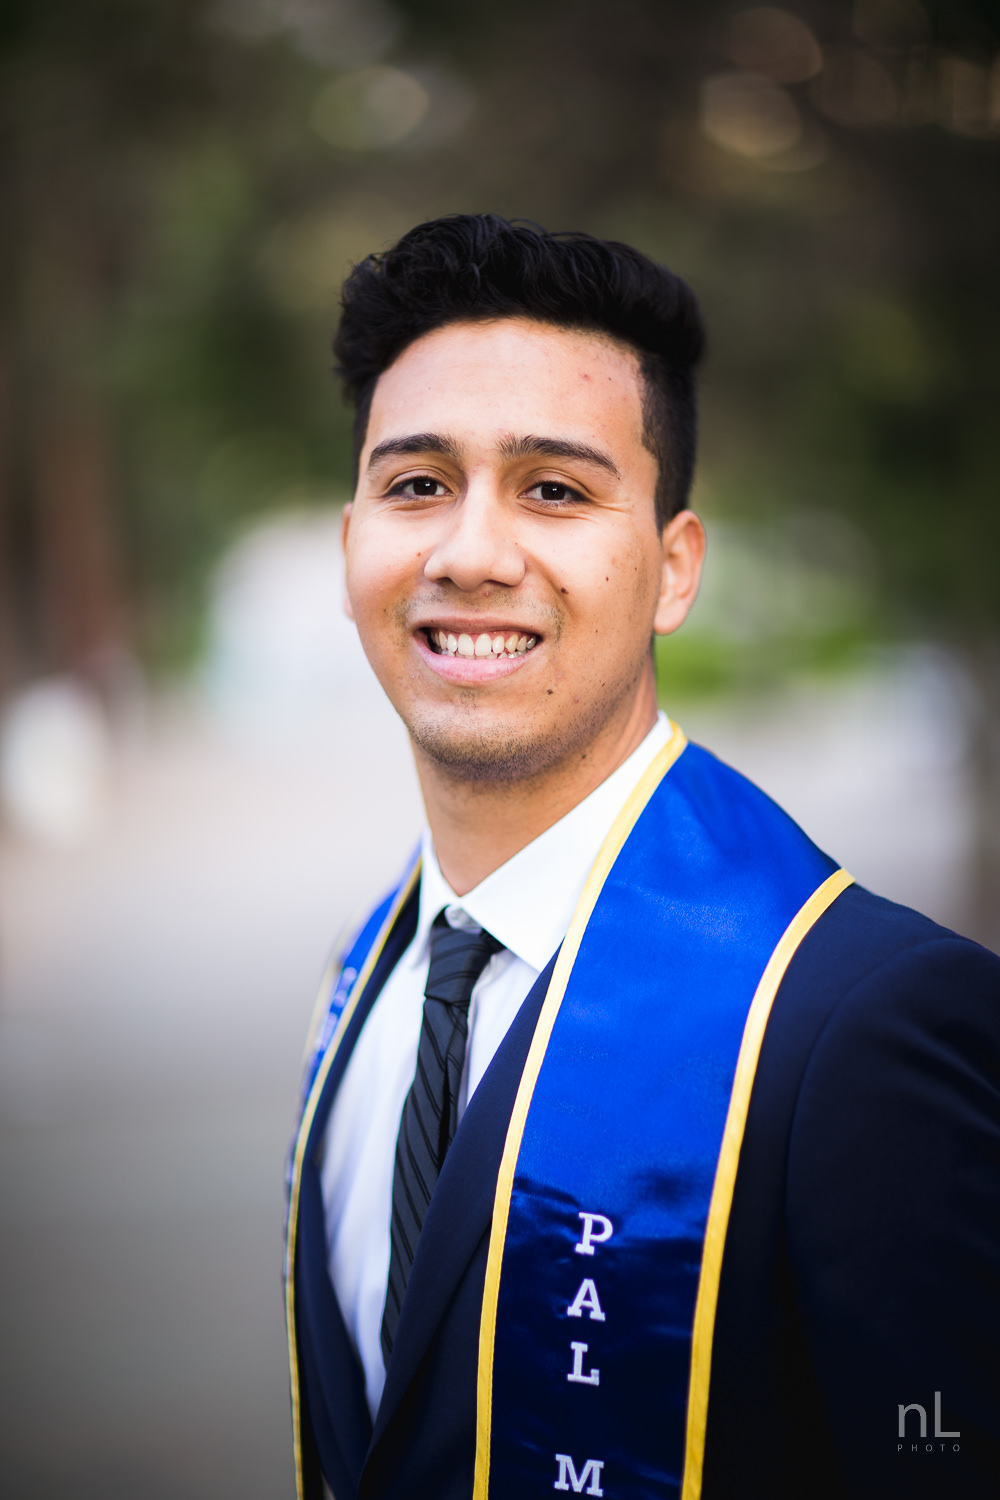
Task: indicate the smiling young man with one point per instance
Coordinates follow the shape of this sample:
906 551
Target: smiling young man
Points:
507 570
635 1136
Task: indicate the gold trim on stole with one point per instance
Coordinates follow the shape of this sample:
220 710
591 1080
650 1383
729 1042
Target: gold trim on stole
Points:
610 849
725 1174
308 1114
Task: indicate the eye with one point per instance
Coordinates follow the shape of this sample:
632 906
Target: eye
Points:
418 486
554 492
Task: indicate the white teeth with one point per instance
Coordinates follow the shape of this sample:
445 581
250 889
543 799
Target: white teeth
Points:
482 645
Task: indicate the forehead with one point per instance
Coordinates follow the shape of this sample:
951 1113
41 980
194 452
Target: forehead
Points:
512 375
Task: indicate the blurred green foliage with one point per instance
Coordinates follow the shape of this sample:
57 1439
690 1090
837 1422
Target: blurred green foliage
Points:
187 182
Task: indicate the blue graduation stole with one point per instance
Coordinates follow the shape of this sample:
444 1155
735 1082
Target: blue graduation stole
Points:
614 1189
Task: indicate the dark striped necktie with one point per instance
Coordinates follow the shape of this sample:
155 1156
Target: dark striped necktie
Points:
430 1114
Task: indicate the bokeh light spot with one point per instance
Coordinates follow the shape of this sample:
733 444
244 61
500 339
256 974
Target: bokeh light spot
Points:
748 114
371 109
774 42
854 89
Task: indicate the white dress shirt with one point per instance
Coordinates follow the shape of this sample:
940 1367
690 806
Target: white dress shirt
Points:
527 904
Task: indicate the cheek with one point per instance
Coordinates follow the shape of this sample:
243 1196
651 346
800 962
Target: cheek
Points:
621 591
373 576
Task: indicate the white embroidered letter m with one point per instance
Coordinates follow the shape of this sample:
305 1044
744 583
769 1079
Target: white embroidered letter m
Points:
569 1479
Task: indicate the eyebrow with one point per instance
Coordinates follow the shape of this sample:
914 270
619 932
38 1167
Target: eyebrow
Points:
510 447
544 447
417 442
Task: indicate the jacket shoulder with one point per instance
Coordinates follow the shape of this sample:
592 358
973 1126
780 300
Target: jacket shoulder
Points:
867 967
860 1244
861 933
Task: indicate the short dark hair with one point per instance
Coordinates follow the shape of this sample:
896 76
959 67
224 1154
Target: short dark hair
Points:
479 267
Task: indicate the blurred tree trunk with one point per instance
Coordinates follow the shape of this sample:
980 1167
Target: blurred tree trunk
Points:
72 601
78 597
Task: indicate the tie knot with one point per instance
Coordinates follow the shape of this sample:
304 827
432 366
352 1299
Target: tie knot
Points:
458 957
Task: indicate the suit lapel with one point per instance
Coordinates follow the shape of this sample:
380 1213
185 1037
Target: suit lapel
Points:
333 1377
461 1209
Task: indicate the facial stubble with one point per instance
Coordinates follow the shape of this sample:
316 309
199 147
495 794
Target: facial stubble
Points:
473 753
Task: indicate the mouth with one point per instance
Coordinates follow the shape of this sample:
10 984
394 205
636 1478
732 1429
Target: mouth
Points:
495 644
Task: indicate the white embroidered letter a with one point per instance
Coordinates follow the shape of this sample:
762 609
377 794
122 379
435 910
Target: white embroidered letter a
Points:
587 1298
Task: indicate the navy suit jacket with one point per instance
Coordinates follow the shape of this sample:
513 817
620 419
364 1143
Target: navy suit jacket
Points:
862 1263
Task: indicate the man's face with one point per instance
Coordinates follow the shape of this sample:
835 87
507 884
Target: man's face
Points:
504 566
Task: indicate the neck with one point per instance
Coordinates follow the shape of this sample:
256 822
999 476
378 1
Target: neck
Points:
477 826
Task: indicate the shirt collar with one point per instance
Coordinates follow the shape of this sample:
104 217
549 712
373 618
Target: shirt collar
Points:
528 903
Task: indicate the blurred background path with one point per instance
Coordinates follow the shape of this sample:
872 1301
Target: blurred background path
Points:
157 983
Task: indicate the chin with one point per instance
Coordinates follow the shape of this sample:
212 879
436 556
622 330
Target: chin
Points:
500 754
487 758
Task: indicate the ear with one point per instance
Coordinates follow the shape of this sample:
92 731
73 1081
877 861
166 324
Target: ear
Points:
344 525
683 543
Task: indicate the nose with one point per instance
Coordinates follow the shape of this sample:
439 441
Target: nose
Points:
477 545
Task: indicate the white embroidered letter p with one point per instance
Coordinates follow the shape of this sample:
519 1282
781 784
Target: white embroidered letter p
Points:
596 1229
